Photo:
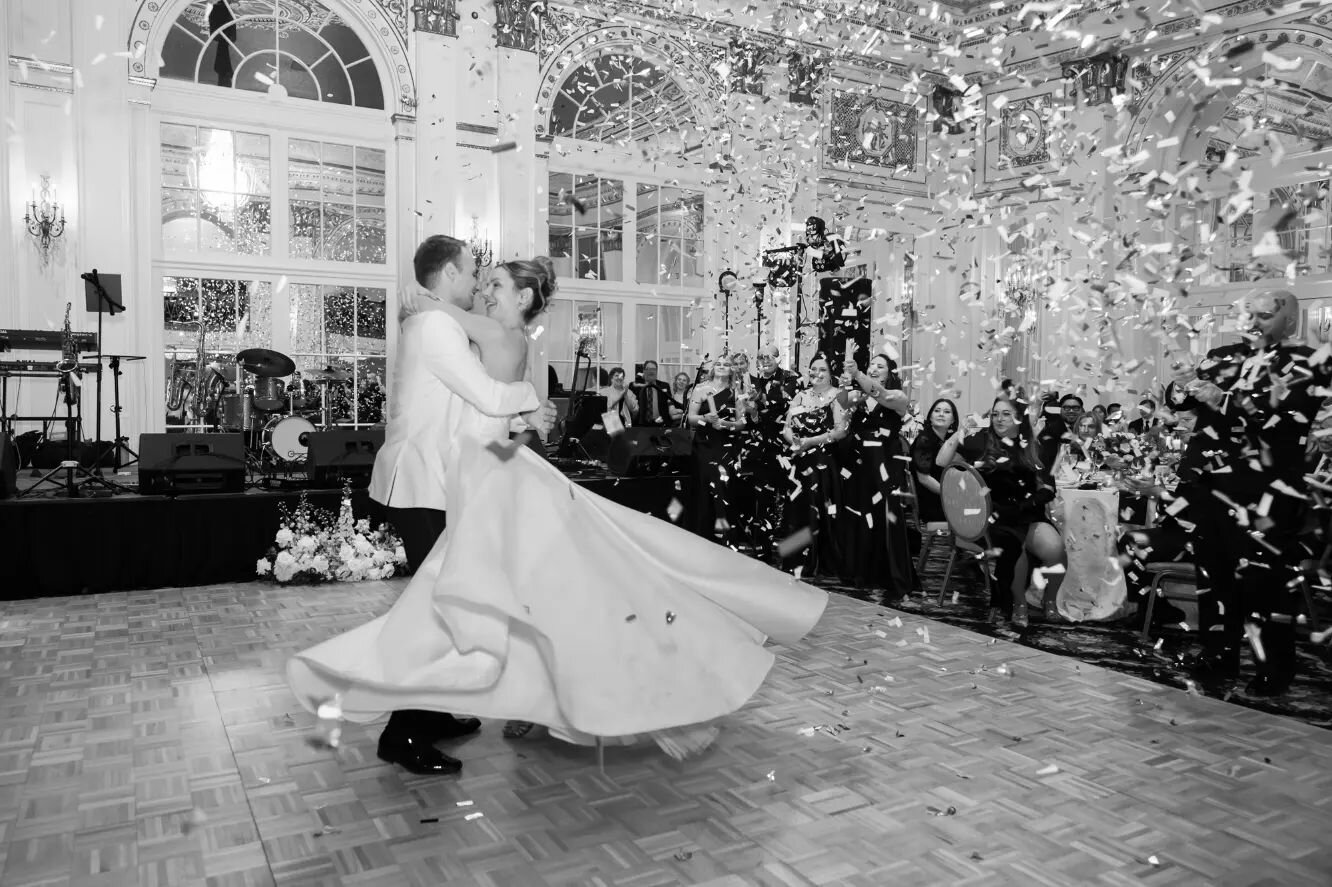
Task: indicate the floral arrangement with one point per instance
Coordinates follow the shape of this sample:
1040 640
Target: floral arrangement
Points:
311 546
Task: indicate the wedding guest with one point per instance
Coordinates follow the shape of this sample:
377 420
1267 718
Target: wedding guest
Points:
1055 428
718 424
814 422
619 399
1018 497
653 398
875 549
772 388
942 424
1145 420
679 405
1099 411
1075 456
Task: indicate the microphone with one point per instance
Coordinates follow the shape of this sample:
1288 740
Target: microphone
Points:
91 277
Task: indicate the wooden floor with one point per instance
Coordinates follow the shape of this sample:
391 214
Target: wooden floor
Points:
148 739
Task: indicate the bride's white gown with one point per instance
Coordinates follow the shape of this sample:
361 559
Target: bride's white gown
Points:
543 602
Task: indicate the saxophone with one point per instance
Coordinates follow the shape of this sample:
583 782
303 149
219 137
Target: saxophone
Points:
182 390
69 361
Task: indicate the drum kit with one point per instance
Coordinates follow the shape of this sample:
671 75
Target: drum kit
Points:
277 417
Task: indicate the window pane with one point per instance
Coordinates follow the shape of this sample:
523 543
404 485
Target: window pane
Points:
645 258
692 270
612 255
371 335
307 318
338 173
306 239
561 334
611 204
612 333
646 330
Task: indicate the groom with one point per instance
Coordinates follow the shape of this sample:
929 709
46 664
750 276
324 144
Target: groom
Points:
440 392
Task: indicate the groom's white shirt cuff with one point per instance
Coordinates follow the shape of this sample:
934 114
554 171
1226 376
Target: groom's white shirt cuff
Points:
451 359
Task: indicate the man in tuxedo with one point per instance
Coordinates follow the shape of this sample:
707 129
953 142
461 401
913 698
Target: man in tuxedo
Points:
1054 427
772 389
440 392
1145 421
654 398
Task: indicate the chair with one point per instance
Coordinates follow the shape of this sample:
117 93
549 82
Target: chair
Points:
966 505
929 531
1183 570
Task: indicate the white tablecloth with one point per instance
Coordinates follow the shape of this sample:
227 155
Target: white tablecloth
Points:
1093 588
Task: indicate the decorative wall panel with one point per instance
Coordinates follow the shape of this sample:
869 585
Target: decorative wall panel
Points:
873 131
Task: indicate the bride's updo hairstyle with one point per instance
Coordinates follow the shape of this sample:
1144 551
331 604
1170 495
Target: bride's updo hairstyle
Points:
530 275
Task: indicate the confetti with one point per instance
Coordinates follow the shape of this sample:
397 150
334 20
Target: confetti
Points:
470 816
1049 770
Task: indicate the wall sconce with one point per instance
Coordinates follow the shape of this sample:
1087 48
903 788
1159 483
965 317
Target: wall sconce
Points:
40 218
481 250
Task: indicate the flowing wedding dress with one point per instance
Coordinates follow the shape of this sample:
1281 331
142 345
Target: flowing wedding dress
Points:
543 602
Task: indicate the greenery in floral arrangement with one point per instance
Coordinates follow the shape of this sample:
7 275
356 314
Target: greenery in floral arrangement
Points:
312 546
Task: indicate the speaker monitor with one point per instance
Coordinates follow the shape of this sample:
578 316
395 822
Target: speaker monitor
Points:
343 455
48 454
191 462
640 452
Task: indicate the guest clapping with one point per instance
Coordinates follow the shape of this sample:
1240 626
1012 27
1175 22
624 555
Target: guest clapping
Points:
942 424
814 422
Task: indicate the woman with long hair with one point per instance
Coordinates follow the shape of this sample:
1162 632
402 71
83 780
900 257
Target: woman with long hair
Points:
815 422
718 424
876 551
680 389
941 423
1018 496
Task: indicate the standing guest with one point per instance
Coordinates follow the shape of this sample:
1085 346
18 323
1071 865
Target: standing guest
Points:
943 424
679 405
814 422
1145 421
1018 497
654 398
1100 412
717 424
772 389
875 549
619 399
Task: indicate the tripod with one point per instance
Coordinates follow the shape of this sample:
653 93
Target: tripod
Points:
103 299
70 466
122 442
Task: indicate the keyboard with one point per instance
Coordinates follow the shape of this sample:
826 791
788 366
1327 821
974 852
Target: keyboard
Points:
38 368
44 340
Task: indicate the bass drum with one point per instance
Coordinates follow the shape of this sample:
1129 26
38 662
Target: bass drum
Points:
287 438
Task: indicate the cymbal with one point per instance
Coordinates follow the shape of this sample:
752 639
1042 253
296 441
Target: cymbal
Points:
225 370
114 357
327 374
266 364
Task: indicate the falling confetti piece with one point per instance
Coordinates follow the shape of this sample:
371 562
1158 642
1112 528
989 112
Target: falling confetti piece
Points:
1049 770
951 811
670 617
463 803
684 855
772 775
1153 860
470 816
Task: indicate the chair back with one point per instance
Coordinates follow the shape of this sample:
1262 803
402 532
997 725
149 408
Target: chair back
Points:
966 502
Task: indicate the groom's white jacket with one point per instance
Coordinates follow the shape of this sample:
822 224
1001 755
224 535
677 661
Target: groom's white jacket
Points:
440 392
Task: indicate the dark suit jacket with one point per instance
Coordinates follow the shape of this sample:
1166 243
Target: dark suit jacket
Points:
659 390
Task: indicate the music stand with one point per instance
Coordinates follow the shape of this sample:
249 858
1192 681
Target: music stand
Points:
102 296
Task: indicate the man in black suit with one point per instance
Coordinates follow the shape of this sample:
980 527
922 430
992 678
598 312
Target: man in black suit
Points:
1145 421
1054 428
772 389
654 398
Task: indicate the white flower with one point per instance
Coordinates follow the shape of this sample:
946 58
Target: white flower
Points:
382 557
386 571
284 537
263 568
320 563
363 545
284 568
363 525
307 544
346 553
400 555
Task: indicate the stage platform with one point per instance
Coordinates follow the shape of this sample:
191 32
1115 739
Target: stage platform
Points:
52 545
149 739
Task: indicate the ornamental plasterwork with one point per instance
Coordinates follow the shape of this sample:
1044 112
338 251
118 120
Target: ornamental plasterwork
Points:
1024 130
436 17
386 19
872 131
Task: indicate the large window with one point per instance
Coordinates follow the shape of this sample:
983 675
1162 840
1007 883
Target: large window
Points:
215 190
342 330
624 100
592 329
664 334
587 226
298 49
337 202
670 236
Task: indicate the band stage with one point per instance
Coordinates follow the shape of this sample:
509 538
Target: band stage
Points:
60 546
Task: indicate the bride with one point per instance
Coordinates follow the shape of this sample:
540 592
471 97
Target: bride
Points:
544 603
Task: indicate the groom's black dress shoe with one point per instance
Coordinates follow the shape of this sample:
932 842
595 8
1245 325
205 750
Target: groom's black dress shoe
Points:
449 727
416 756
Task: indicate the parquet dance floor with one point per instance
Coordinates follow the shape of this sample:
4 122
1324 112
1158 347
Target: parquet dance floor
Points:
148 738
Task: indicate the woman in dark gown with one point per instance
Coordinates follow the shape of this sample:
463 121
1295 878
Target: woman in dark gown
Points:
940 424
718 426
814 423
873 536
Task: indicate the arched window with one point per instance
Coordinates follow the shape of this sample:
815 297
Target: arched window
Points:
274 214
621 99
296 46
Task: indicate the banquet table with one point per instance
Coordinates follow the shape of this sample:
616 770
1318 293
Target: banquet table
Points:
1093 588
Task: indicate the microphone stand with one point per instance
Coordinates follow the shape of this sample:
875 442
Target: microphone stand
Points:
103 302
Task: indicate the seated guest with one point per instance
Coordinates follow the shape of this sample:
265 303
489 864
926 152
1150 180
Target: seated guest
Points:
619 399
1100 412
1076 455
1054 428
718 424
1018 497
814 422
653 397
1114 417
942 424
1146 414
679 405
875 549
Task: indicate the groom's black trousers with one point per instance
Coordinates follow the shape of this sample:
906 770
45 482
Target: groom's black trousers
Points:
420 529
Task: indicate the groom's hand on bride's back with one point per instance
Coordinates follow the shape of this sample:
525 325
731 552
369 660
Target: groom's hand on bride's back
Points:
542 419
